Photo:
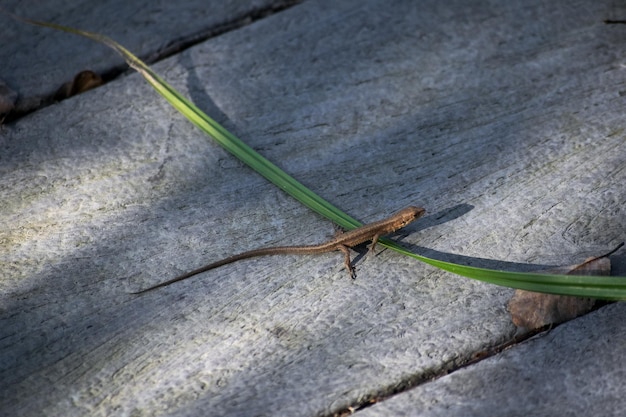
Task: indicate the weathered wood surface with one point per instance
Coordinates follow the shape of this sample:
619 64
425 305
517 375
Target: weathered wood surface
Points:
505 121
571 371
36 62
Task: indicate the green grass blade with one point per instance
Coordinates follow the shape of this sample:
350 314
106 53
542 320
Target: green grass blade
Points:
594 286
611 288
229 141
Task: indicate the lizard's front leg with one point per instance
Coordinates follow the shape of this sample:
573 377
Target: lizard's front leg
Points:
370 252
346 253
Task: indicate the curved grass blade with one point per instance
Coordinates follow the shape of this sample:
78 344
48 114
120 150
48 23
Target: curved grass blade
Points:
605 287
226 139
593 286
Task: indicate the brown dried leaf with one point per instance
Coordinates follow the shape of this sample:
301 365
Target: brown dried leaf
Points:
83 81
533 310
8 98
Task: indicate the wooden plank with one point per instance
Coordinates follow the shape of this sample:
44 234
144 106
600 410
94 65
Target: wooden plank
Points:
36 62
571 370
504 121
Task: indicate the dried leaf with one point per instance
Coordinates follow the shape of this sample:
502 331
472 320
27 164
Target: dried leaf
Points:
83 81
8 98
532 310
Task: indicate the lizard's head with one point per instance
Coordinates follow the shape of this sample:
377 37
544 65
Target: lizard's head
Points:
409 214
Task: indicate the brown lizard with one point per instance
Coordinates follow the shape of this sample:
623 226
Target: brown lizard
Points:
342 242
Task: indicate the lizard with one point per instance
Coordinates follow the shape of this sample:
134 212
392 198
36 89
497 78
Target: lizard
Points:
342 242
